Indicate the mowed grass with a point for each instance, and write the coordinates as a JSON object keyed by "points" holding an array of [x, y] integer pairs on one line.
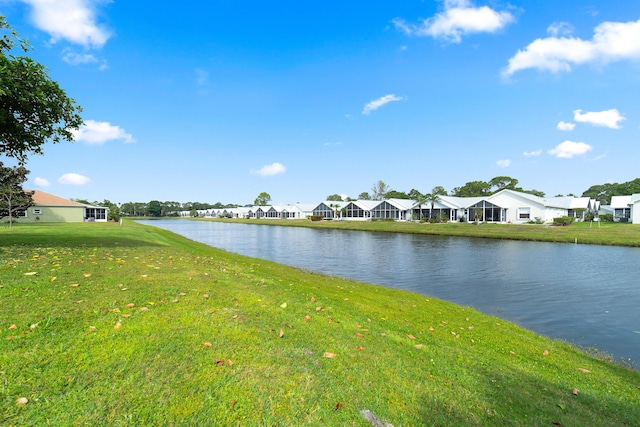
{"points": [[109, 325], [614, 234]]}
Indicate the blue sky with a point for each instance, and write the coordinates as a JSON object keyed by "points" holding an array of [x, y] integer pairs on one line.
{"points": [[220, 100]]}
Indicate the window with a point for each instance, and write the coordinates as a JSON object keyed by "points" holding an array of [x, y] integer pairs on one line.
{"points": [[37, 211], [524, 213]]}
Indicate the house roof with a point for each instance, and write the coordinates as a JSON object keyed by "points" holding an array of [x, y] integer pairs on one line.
{"points": [[620, 201], [41, 198]]}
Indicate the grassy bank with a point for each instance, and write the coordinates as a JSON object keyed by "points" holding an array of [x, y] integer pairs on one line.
{"points": [[617, 234], [109, 325]]}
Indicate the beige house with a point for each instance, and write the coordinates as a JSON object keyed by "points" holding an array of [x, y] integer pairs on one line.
{"points": [[49, 208]]}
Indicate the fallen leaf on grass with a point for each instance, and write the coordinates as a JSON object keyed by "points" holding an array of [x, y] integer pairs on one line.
{"points": [[130, 305], [359, 335], [411, 337], [13, 327], [182, 294], [383, 334], [74, 285], [338, 406], [86, 274], [31, 273], [118, 325], [53, 279], [230, 362], [144, 275], [318, 308], [281, 333], [283, 305], [233, 403], [431, 328], [545, 353], [584, 371], [307, 318], [313, 299], [92, 328], [35, 325], [207, 344], [576, 391], [419, 346], [144, 308], [360, 348], [220, 362], [21, 401], [206, 296], [328, 355]]}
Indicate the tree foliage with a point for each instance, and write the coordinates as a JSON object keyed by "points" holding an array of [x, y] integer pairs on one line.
{"points": [[393, 194], [154, 208], [499, 183], [263, 199], [379, 190], [13, 198], [604, 192], [364, 196], [33, 107], [334, 198]]}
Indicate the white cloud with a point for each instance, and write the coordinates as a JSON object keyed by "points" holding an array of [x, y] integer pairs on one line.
{"points": [[73, 179], [560, 29], [568, 149], [459, 18], [71, 20], [332, 144], [374, 105], [93, 132], [566, 126], [608, 118], [532, 153], [612, 41], [504, 163], [269, 170], [73, 58], [41, 182]]}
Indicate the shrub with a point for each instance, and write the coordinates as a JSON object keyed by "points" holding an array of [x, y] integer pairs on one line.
{"points": [[316, 217], [606, 217], [383, 219], [563, 220]]}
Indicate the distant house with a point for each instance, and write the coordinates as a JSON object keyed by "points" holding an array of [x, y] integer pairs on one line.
{"points": [[49, 208], [621, 206], [635, 208]]}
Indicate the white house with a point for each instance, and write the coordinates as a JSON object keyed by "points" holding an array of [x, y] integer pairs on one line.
{"points": [[621, 206], [635, 208]]}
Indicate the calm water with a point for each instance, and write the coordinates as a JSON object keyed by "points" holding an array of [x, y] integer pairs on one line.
{"points": [[587, 295]]}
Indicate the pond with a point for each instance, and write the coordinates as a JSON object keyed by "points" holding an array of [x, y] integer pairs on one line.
{"points": [[585, 294]]}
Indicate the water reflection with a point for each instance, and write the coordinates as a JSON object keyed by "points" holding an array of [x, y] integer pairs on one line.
{"points": [[584, 294]]}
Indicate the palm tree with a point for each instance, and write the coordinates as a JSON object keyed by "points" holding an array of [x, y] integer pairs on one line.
{"points": [[434, 196], [421, 199]]}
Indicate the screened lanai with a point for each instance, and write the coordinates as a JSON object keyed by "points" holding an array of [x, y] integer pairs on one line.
{"points": [[352, 210], [324, 211], [486, 211], [387, 210]]}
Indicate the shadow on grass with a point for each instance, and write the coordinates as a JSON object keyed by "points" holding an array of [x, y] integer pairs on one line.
{"points": [[82, 235], [510, 397], [74, 241]]}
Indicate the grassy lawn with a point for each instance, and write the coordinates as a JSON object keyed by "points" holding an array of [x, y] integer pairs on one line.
{"points": [[618, 234], [132, 325]]}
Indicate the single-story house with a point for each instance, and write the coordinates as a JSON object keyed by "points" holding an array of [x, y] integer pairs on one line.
{"points": [[621, 206], [635, 208], [50, 208]]}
